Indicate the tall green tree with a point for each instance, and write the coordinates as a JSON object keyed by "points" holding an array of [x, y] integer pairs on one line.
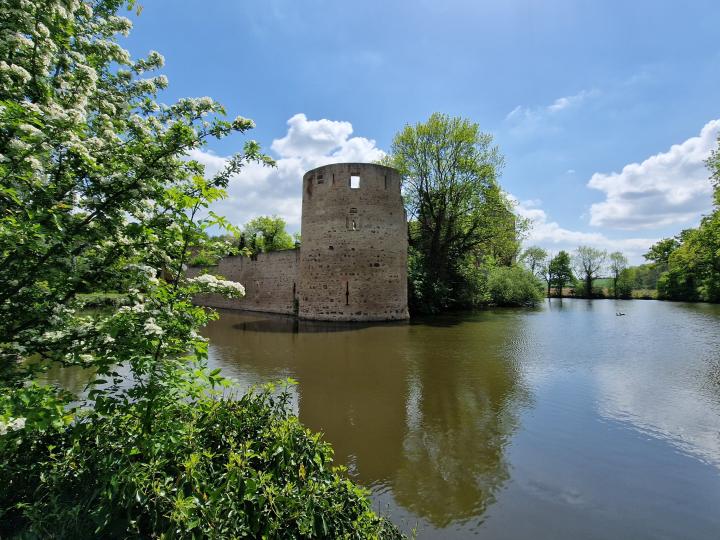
{"points": [[560, 271], [588, 263], [534, 258], [267, 233], [659, 253], [459, 216], [618, 265]]}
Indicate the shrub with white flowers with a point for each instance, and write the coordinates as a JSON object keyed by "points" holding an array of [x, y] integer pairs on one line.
{"points": [[98, 195]]}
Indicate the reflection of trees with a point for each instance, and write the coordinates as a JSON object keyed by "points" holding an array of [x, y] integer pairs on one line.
{"points": [[423, 410], [468, 392], [72, 378]]}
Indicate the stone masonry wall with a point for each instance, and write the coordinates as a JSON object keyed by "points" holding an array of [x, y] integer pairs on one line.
{"points": [[270, 281], [353, 262]]}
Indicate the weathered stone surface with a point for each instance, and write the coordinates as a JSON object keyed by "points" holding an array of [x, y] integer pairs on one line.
{"points": [[270, 281], [353, 261], [352, 265]]}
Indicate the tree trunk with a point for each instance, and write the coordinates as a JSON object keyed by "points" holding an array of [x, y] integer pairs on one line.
{"points": [[615, 294]]}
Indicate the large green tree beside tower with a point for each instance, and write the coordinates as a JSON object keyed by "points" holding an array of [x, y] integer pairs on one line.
{"points": [[461, 222]]}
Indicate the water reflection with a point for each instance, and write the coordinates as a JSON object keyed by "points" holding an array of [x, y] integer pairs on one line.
{"points": [[634, 374], [423, 411], [462, 410], [564, 422]]}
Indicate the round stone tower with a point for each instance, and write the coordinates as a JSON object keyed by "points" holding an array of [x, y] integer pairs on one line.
{"points": [[353, 259]]}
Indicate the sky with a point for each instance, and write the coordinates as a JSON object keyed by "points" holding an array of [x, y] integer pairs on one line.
{"points": [[604, 110]]}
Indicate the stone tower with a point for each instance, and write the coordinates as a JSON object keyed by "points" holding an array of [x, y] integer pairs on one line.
{"points": [[353, 259]]}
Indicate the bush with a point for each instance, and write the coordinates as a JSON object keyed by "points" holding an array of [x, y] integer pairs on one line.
{"points": [[204, 259], [644, 294], [514, 286], [212, 468], [102, 300]]}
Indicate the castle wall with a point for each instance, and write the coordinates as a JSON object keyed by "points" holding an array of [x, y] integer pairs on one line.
{"points": [[270, 281], [353, 262]]}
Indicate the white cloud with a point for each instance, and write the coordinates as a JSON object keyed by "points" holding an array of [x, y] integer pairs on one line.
{"points": [[667, 188], [529, 117], [258, 190], [551, 236], [681, 418]]}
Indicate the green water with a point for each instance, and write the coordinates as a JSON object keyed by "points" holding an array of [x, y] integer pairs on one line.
{"points": [[564, 422]]}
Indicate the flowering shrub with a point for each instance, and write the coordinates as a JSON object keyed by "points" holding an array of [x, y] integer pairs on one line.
{"points": [[98, 193]]}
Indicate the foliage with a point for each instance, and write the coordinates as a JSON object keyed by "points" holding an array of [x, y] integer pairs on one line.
{"points": [[98, 193], [660, 252], [560, 272], [214, 468], [266, 233], [534, 259], [460, 220], [514, 286], [694, 267], [644, 276], [214, 248], [102, 300], [588, 263], [618, 267], [691, 260]]}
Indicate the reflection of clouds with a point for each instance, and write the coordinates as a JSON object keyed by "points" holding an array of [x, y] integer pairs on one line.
{"points": [[683, 417]]}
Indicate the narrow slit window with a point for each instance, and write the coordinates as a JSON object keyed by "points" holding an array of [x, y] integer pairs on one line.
{"points": [[320, 179], [354, 182]]}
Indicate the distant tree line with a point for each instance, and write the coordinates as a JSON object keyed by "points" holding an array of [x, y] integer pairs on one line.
{"points": [[685, 267], [578, 274]]}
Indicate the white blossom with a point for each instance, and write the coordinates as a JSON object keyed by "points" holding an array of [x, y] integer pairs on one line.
{"points": [[152, 328], [13, 424], [210, 283]]}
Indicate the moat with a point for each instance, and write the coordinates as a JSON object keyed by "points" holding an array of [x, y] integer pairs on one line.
{"points": [[563, 422]]}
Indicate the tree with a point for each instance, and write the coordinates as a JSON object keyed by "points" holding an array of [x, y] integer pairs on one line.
{"points": [[618, 265], [588, 263], [98, 192], [534, 258], [659, 253], [560, 271], [691, 260], [546, 273], [459, 217], [267, 233]]}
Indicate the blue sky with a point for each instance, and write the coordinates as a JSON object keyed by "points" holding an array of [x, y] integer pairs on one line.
{"points": [[575, 93]]}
